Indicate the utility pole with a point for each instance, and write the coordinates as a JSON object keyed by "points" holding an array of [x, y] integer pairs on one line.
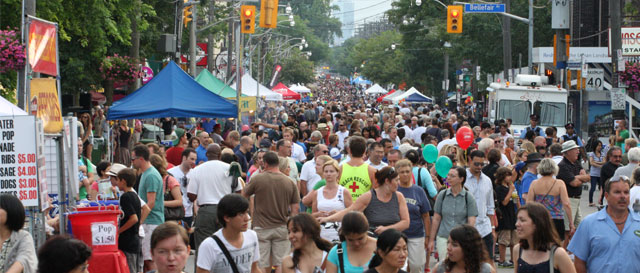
{"points": [[229, 51], [179, 26], [506, 40], [616, 39], [28, 8], [530, 47], [192, 41], [446, 77], [238, 73], [211, 62]]}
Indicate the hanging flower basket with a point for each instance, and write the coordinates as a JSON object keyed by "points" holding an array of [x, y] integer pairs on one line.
{"points": [[631, 76], [12, 54], [122, 69]]}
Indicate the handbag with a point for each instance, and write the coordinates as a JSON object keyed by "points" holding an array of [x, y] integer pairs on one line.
{"points": [[175, 213]]}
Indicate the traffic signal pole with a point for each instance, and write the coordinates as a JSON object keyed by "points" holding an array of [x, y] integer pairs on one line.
{"points": [[192, 41]]}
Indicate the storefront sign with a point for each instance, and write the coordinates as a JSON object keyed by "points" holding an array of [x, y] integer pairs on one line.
{"points": [[18, 159]]}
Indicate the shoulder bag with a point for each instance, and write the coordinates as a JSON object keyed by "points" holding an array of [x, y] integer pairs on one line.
{"points": [[227, 255], [175, 213]]}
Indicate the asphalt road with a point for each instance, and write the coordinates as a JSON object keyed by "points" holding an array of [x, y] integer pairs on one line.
{"points": [[584, 208]]}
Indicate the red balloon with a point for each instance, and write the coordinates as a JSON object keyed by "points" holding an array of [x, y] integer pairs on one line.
{"points": [[464, 136]]}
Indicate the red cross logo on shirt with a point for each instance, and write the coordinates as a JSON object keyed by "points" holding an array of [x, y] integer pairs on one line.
{"points": [[354, 187]]}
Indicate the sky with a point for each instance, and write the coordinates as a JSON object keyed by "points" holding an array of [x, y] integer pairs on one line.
{"points": [[366, 8]]}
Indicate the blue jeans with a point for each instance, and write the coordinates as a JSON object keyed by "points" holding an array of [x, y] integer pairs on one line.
{"points": [[592, 189]]}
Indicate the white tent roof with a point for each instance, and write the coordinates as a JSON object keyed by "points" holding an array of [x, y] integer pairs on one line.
{"points": [[376, 89], [410, 92], [298, 88], [393, 95], [8, 109], [249, 89]]}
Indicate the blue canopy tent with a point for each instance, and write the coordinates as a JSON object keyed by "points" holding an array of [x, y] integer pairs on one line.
{"points": [[172, 93], [418, 98]]}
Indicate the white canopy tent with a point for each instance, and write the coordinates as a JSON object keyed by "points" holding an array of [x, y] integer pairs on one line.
{"points": [[375, 89], [393, 95], [299, 88], [249, 89], [8, 109], [453, 97], [410, 92]]}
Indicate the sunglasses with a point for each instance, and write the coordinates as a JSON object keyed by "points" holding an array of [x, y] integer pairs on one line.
{"points": [[325, 152], [478, 164]]}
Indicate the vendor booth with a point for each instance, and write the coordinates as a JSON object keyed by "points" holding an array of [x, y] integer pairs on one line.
{"points": [[172, 93], [250, 88], [287, 94], [375, 90], [299, 88]]}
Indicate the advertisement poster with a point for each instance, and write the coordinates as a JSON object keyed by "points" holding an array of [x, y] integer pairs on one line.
{"points": [[18, 159], [42, 47], [600, 118], [44, 100]]}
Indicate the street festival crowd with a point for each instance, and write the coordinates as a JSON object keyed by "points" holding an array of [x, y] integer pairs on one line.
{"points": [[345, 184]]}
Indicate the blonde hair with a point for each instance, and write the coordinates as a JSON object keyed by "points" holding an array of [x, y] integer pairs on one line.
{"points": [[403, 163], [324, 158], [331, 163], [283, 164], [446, 150], [528, 146]]}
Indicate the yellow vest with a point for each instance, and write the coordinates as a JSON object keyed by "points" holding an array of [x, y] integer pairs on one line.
{"points": [[356, 179]]}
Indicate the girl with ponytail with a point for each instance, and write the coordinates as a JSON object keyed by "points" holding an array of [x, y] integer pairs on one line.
{"points": [[309, 249], [391, 253]]}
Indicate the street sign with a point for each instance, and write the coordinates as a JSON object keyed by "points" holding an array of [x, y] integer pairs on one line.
{"points": [[484, 8], [617, 99], [477, 73], [560, 14], [574, 65], [595, 79]]}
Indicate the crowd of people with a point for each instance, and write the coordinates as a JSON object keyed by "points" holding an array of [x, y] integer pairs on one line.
{"points": [[341, 185]]}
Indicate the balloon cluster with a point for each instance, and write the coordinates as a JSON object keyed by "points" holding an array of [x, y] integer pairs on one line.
{"points": [[469, 98]]}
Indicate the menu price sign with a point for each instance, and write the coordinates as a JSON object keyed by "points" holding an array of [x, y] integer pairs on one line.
{"points": [[103, 234], [18, 160]]}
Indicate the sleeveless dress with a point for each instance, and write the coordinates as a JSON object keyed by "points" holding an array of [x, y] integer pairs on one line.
{"points": [[379, 213], [329, 231], [317, 268]]}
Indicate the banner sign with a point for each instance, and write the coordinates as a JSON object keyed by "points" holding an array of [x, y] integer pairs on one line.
{"points": [[42, 47], [276, 73], [247, 104], [18, 159], [44, 100], [630, 41]]}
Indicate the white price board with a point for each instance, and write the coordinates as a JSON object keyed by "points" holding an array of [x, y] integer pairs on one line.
{"points": [[103, 234], [595, 79], [617, 99], [18, 158]]}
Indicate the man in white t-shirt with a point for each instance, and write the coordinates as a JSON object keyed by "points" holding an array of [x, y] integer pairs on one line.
{"points": [[235, 236], [342, 133], [308, 175], [208, 183], [189, 157], [297, 152], [375, 153]]}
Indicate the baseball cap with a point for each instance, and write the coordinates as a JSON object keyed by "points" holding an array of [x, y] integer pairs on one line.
{"points": [[335, 153], [520, 165], [534, 117], [265, 143], [115, 169], [179, 132]]}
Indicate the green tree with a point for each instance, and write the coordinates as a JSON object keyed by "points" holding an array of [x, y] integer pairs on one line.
{"points": [[376, 61], [297, 69]]}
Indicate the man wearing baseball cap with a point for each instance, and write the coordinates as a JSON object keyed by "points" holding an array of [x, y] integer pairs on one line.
{"points": [[533, 120], [571, 134], [174, 154]]}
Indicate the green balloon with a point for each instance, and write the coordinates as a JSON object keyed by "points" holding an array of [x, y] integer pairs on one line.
{"points": [[430, 153], [443, 165]]}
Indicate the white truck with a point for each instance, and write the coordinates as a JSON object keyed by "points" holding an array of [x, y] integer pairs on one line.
{"points": [[529, 94]]}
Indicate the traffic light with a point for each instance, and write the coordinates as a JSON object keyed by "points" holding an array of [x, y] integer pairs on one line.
{"points": [[248, 19], [550, 76], [454, 19], [187, 15], [269, 13]]}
